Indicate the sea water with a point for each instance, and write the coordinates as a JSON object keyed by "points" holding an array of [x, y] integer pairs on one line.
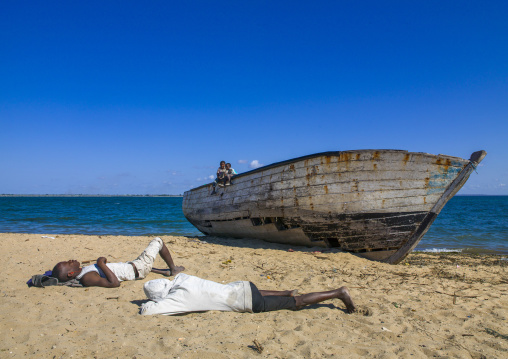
{"points": [[129, 216], [477, 224], [467, 223]]}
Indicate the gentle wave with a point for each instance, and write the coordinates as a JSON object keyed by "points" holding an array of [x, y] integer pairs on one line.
{"points": [[462, 250], [439, 250]]}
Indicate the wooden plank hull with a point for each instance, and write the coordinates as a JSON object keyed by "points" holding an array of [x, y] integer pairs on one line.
{"points": [[376, 203]]}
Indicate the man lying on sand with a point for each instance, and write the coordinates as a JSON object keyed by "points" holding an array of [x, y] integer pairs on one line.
{"points": [[109, 275], [187, 293]]}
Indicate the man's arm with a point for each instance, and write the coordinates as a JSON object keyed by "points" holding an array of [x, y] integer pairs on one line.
{"points": [[93, 279]]}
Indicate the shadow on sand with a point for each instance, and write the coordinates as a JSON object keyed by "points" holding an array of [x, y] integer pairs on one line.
{"points": [[259, 244]]}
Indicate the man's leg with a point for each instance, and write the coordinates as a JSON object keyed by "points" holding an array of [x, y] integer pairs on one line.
{"points": [[144, 263], [166, 256], [276, 300], [280, 293], [312, 298]]}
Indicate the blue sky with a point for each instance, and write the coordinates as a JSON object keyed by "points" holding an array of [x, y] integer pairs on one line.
{"points": [[130, 97]]}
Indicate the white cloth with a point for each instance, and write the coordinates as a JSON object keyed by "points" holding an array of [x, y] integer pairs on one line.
{"points": [[187, 293], [123, 271], [144, 262]]}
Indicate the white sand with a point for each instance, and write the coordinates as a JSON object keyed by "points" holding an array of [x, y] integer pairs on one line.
{"points": [[412, 312]]}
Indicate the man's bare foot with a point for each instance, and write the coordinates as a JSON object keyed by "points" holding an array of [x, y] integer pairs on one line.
{"points": [[164, 272], [168, 272], [177, 270], [346, 299]]}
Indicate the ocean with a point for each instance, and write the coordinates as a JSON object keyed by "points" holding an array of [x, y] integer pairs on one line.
{"points": [[477, 224]]}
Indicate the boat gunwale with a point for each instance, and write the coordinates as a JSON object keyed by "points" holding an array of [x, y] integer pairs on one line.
{"points": [[319, 154]]}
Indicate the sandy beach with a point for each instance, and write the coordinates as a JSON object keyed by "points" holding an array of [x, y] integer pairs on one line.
{"points": [[430, 305]]}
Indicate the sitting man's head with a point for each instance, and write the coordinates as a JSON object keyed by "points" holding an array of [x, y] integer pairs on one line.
{"points": [[65, 271]]}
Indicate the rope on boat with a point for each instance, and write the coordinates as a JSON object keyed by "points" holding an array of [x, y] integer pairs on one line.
{"points": [[474, 166]]}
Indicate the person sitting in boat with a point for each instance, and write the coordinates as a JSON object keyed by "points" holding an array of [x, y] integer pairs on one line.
{"points": [[187, 293], [221, 176], [109, 275], [230, 172]]}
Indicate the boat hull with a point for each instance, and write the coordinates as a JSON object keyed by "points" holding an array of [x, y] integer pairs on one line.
{"points": [[374, 203]]}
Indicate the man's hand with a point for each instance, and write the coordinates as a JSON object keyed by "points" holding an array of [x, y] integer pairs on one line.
{"points": [[93, 279]]}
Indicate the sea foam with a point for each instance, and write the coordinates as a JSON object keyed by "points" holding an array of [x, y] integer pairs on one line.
{"points": [[439, 250]]}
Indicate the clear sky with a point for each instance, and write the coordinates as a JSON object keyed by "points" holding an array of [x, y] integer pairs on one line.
{"points": [[146, 97]]}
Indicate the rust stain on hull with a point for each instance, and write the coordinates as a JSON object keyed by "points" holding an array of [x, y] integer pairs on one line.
{"points": [[406, 159], [444, 164]]}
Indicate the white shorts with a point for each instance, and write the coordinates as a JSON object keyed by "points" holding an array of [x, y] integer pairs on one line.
{"points": [[144, 262]]}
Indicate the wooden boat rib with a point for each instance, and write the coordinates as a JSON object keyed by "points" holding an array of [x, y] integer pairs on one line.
{"points": [[375, 203]]}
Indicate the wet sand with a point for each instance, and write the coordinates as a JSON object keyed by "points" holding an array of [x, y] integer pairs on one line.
{"points": [[430, 305]]}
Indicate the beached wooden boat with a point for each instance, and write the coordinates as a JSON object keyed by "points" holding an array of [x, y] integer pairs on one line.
{"points": [[374, 203]]}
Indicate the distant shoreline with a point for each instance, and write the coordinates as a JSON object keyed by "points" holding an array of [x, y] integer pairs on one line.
{"points": [[91, 195]]}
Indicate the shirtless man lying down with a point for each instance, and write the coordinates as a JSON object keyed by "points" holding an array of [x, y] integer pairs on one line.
{"points": [[109, 275]]}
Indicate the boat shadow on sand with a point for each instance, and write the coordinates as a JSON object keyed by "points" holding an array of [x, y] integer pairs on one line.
{"points": [[260, 244]]}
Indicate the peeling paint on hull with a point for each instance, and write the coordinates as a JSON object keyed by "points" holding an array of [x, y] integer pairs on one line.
{"points": [[375, 203]]}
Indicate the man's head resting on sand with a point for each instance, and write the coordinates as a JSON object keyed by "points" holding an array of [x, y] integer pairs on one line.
{"points": [[65, 271]]}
